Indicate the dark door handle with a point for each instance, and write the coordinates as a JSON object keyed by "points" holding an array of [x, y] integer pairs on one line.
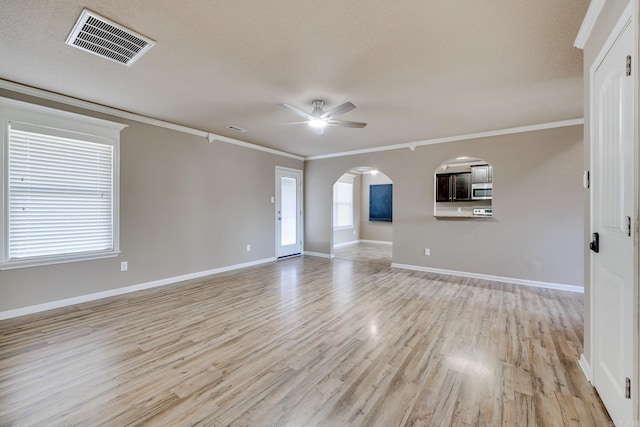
{"points": [[595, 243]]}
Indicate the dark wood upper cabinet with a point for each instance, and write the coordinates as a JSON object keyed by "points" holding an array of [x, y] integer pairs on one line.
{"points": [[453, 187], [461, 183], [443, 188]]}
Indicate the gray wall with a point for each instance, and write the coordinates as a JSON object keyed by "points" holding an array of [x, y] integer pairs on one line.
{"points": [[537, 229], [186, 206], [608, 18], [374, 230]]}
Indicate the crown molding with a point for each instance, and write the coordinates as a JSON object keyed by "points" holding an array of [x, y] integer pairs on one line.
{"points": [[589, 22], [68, 100], [213, 137], [412, 145], [75, 102]]}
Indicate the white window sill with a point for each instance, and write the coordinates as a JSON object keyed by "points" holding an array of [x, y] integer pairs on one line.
{"points": [[37, 262], [348, 227]]}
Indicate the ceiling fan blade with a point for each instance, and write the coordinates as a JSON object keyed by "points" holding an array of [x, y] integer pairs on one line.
{"points": [[295, 123], [346, 123], [296, 111], [339, 110]]}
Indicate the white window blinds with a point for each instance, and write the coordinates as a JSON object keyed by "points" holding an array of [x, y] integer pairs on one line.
{"points": [[60, 193], [343, 204]]}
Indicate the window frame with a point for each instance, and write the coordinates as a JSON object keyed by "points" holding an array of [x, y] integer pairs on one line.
{"points": [[345, 179], [56, 121]]}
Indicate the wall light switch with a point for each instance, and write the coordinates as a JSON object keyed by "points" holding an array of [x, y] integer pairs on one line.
{"points": [[273, 199], [248, 248], [427, 251], [124, 266]]}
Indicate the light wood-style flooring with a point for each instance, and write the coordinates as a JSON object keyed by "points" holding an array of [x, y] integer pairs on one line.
{"points": [[303, 342], [365, 252]]}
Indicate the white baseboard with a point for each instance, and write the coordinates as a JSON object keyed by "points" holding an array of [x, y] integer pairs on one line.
{"points": [[125, 290], [379, 242], [584, 365], [349, 243], [353, 242], [319, 254], [547, 285]]}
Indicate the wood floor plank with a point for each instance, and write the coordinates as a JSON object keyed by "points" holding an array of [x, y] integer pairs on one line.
{"points": [[305, 341]]}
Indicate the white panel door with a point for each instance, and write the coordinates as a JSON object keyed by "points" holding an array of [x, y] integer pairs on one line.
{"points": [[613, 216], [288, 212]]}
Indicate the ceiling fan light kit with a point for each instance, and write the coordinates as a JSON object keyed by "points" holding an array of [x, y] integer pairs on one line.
{"points": [[318, 123], [320, 119]]}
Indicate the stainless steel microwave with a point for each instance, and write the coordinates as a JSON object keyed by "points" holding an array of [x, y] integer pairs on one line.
{"points": [[483, 191]]}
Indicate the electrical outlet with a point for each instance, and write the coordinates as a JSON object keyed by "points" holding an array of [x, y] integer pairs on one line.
{"points": [[124, 266], [427, 251], [248, 248]]}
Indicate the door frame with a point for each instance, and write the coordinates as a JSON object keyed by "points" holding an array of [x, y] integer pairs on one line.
{"points": [[628, 17], [276, 204]]}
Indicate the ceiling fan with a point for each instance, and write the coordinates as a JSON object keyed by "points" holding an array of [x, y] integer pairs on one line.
{"points": [[320, 119]]}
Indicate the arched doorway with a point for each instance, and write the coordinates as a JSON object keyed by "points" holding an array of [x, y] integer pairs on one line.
{"points": [[362, 216]]}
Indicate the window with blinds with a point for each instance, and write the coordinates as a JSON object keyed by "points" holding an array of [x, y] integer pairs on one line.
{"points": [[343, 204], [60, 195], [60, 200]]}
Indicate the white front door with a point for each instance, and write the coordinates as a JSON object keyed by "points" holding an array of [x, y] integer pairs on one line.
{"points": [[288, 212], [613, 218]]}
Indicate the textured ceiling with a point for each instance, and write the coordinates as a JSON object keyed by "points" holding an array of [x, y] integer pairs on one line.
{"points": [[416, 69]]}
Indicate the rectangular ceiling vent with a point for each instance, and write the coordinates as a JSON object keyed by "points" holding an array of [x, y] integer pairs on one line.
{"points": [[103, 37]]}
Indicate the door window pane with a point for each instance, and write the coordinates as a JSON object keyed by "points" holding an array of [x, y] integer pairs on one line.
{"points": [[288, 215]]}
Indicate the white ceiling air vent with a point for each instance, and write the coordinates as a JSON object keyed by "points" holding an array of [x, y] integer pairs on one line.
{"points": [[100, 36]]}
